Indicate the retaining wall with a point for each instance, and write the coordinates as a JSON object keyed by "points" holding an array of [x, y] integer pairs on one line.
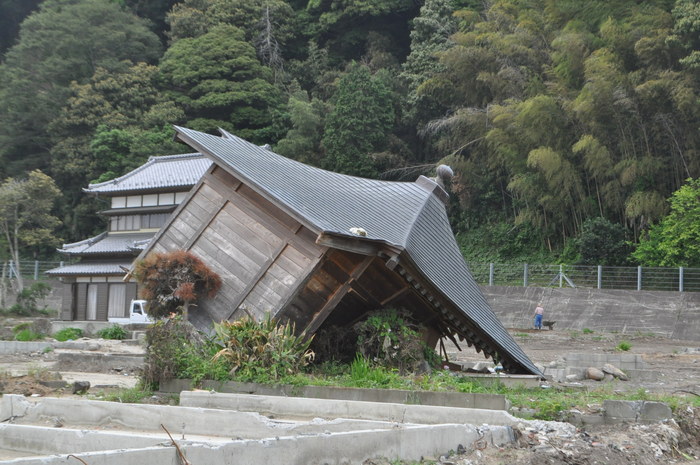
{"points": [[396, 396], [671, 314]]}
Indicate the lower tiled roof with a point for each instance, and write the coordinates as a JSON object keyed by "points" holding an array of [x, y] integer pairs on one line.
{"points": [[105, 243], [91, 269]]}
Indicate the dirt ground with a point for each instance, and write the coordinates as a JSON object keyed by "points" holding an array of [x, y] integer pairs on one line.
{"points": [[676, 362], [540, 443], [677, 365]]}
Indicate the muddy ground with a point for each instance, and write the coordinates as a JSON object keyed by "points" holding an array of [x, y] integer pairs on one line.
{"points": [[546, 443]]}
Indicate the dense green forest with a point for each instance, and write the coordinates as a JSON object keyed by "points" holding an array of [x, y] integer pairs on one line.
{"points": [[573, 127]]}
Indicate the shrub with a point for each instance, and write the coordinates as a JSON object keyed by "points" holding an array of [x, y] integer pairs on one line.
{"points": [[113, 332], [175, 349], [28, 335], [261, 351], [27, 299], [392, 339], [68, 333], [623, 346]]}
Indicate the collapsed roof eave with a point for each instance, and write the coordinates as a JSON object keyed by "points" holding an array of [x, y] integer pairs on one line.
{"points": [[398, 259]]}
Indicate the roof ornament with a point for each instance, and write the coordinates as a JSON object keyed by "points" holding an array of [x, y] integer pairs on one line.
{"points": [[358, 232], [443, 174]]}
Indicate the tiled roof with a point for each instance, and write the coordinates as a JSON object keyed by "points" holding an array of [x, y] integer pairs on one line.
{"points": [[91, 269], [170, 171], [105, 243], [404, 215]]}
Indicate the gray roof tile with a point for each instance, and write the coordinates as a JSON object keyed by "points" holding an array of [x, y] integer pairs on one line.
{"points": [[105, 243], [402, 214], [170, 171], [91, 269]]}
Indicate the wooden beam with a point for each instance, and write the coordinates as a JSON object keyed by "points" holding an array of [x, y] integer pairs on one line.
{"points": [[364, 294], [337, 296], [394, 296], [349, 244]]}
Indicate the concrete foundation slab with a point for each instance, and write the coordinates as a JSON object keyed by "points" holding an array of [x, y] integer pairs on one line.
{"points": [[323, 408], [128, 434]]}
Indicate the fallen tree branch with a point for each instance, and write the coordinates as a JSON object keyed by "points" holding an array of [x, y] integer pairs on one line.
{"points": [[179, 451], [78, 458], [687, 392]]}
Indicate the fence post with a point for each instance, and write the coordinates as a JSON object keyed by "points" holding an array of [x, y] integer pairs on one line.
{"points": [[680, 279], [490, 274], [561, 275], [600, 276], [36, 270], [525, 275], [639, 278]]}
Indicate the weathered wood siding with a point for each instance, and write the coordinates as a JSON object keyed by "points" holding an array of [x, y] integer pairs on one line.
{"points": [[260, 252], [68, 301]]}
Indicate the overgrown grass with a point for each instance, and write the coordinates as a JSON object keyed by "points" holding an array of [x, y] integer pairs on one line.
{"points": [[133, 395], [28, 335], [113, 332], [66, 334], [550, 403]]}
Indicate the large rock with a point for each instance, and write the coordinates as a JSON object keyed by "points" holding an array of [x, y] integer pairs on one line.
{"points": [[595, 373], [616, 372]]}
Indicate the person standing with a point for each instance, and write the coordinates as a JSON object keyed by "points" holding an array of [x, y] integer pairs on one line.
{"points": [[539, 313]]}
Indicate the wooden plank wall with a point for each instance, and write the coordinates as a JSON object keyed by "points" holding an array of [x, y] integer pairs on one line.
{"points": [[260, 252], [68, 301]]}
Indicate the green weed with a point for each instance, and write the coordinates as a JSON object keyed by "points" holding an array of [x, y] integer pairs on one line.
{"points": [[128, 396], [66, 334], [113, 332], [28, 335], [623, 346], [587, 331]]}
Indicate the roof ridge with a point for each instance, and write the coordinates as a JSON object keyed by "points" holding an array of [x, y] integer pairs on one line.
{"points": [[158, 158], [89, 241], [151, 161]]}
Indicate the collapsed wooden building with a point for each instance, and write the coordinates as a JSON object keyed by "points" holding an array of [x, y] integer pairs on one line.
{"points": [[321, 248]]}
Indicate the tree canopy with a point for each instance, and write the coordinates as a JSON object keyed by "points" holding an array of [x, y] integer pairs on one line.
{"points": [[675, 241], [553, 114], [26, 222]]}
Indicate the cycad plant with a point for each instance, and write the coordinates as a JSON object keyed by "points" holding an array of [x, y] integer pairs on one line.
{"points": [[262, 351]]}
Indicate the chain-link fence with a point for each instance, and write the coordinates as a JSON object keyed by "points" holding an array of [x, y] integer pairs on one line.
{"points": [[598, 277], [29, 269], [498, 274]]}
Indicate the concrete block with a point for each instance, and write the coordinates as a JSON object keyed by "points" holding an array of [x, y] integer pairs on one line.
{"points": [[20, 347], [500, 436], [616, 411], [655, 411]]}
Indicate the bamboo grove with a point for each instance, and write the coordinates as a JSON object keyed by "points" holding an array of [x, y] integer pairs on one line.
{"points": [[552, 113]]}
